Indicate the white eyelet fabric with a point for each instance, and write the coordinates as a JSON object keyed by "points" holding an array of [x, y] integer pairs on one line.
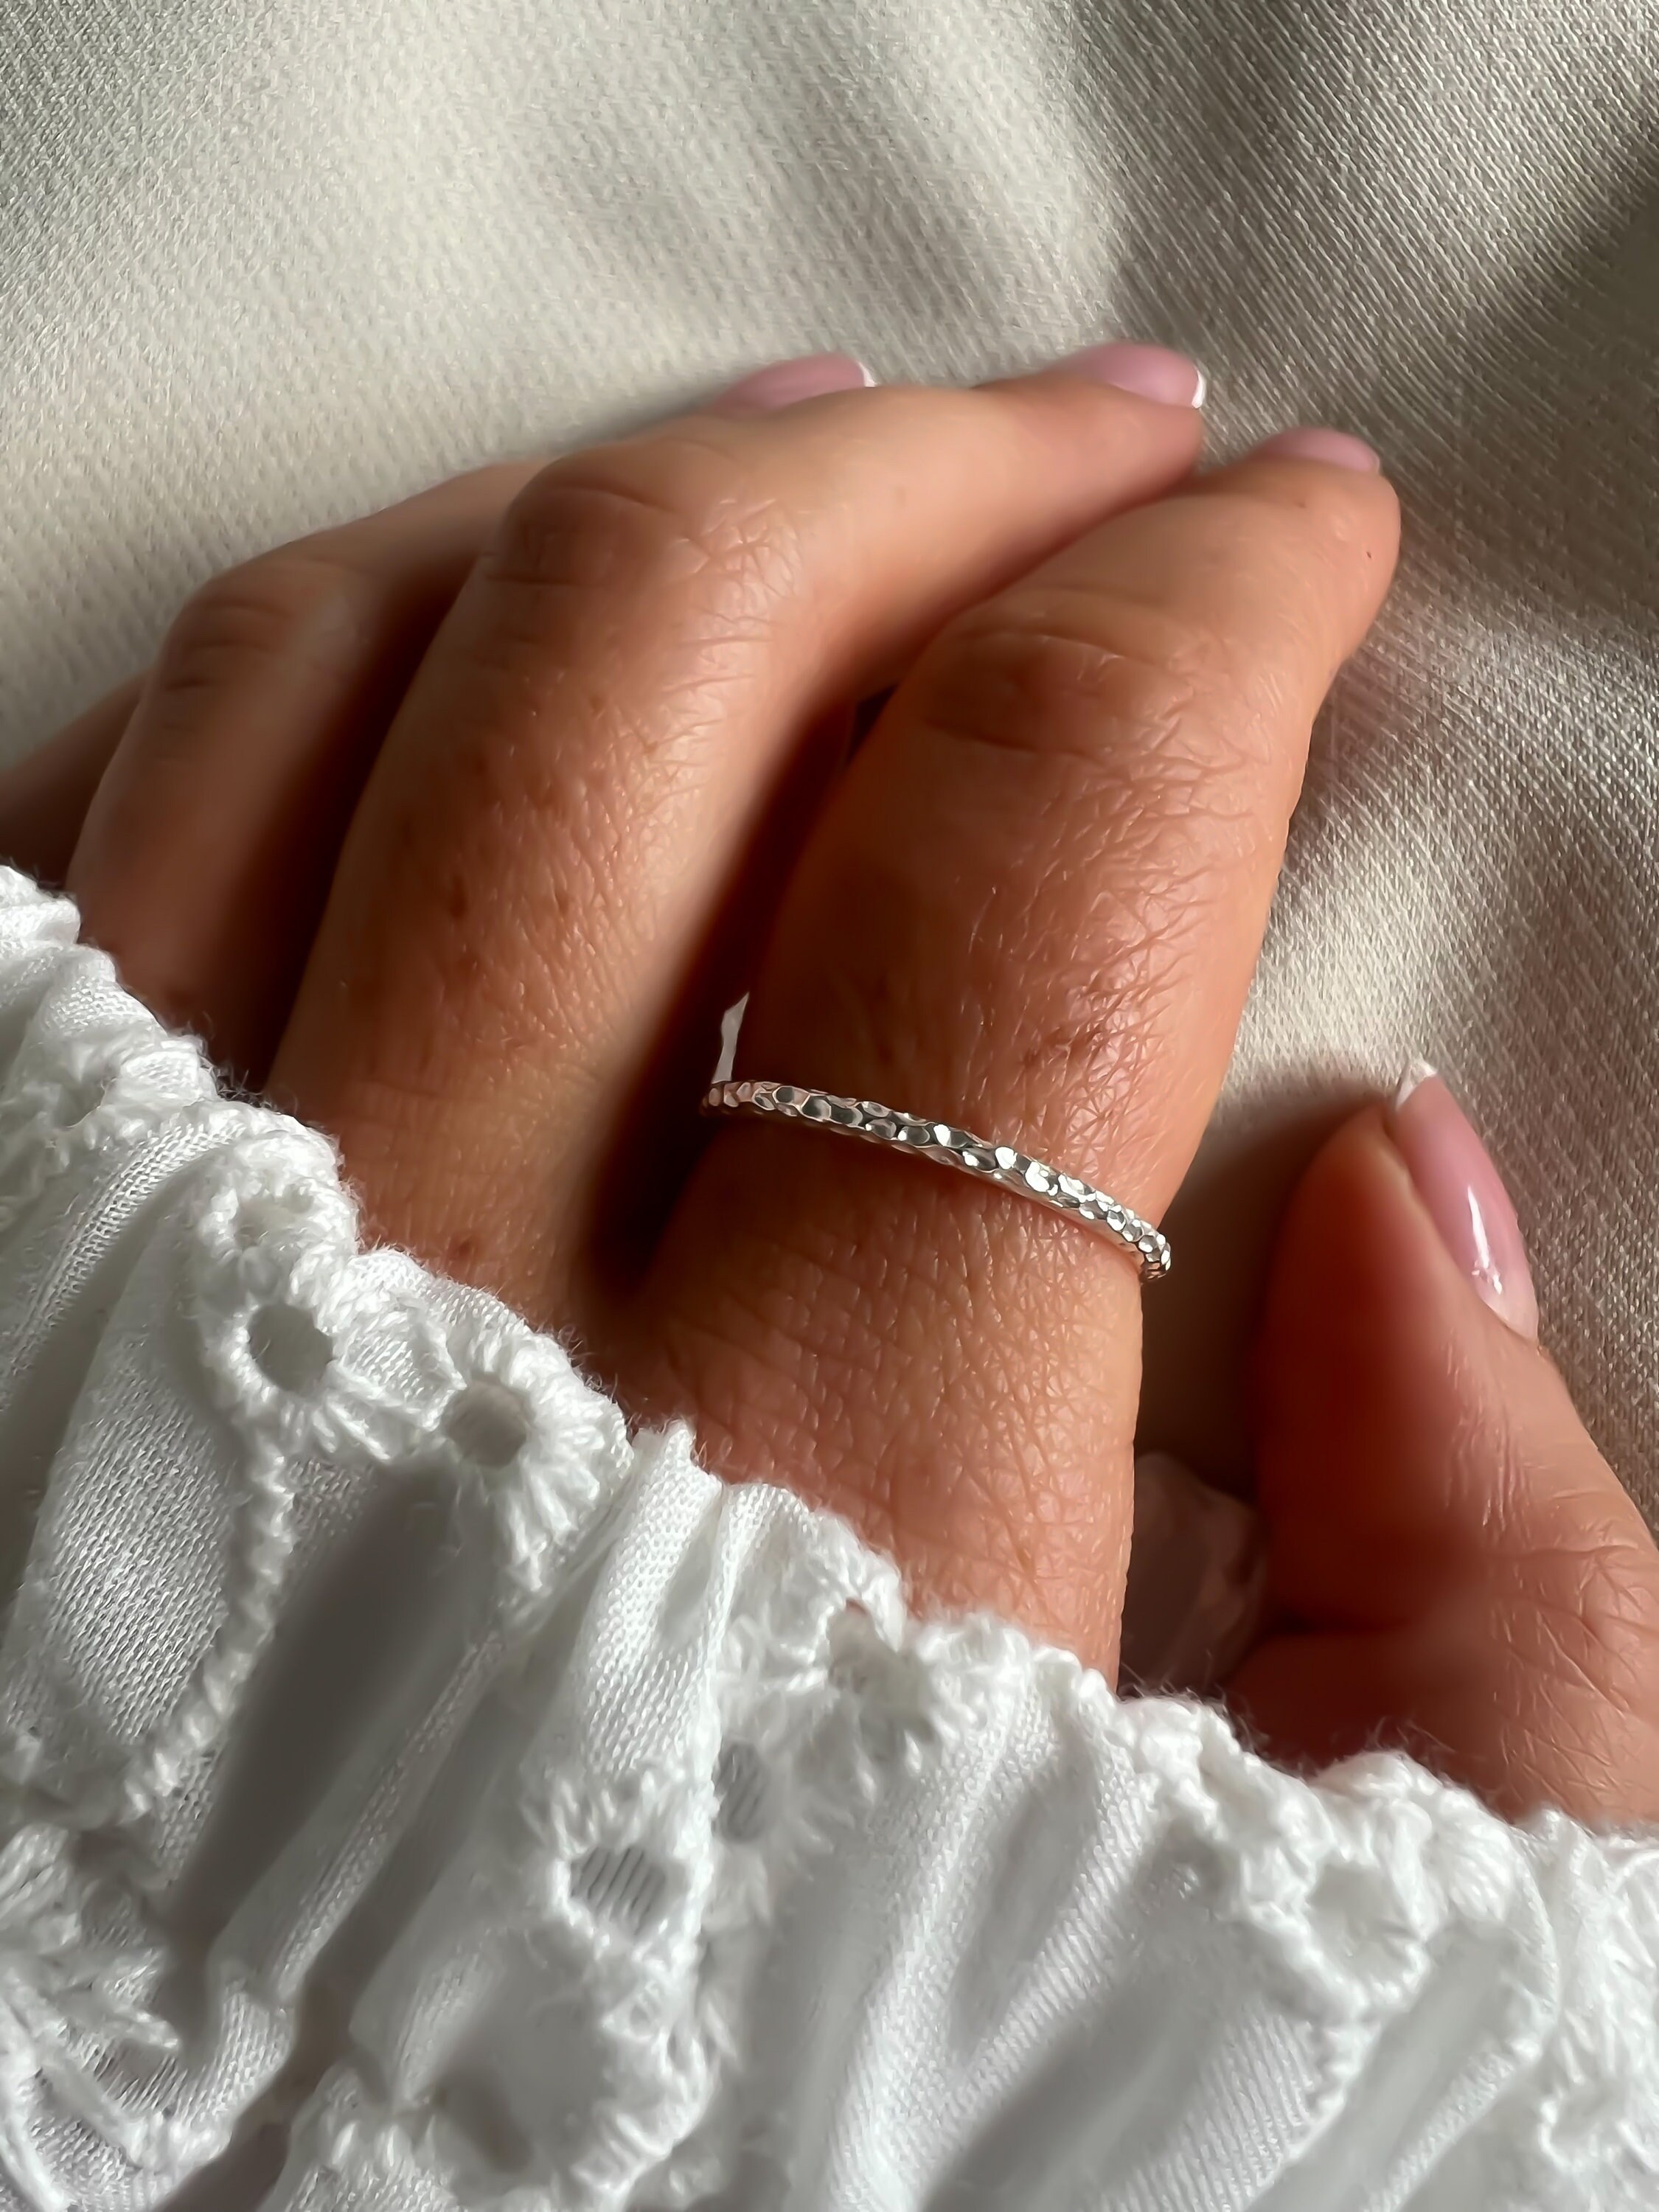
{"points": [[421, 1793]]}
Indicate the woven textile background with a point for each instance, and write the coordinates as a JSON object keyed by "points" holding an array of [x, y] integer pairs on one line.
{"points": [[265, 264]]}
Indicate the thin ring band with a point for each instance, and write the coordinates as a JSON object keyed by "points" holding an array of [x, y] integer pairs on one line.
{"points": [[953, 1148]]}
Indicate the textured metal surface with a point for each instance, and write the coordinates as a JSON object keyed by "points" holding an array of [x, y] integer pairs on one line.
{"points": [[980, 1156]]}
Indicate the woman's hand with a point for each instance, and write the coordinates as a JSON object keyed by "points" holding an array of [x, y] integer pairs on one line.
{"points": [[1457, 1566], [557, 754]]}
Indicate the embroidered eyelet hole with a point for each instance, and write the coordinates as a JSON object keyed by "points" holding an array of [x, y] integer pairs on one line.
{"points": [[740, 1780], [487, 1422], [81, 1104], [627, 1885], [287, 1347]]}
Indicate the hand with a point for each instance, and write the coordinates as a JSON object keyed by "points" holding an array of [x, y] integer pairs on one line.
{"points": [[556, 754], [1457, 1565]]}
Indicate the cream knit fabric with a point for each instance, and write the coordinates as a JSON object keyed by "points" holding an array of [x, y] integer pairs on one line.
{"points": [[418, 1795], [270, 263]]}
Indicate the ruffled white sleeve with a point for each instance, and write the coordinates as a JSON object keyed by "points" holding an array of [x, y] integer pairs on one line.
{"points": [[421, 1793]]}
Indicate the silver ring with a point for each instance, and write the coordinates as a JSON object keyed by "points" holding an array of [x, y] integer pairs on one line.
{"points": [[953, 1148]]}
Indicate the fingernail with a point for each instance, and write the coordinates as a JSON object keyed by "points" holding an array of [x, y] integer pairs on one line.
{"points": [[1310, 444], [1153, 372], [1464, 1194], [784, 382], [1197, 1580]]}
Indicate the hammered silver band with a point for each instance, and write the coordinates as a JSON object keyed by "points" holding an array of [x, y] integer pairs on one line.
{"points": [[953, 1148]]}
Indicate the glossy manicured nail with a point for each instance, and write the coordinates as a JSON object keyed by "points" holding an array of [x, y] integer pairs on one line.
{"points": [[1334, 446], [1197, 1580], [784, 382], [1151, 372], [1464, 1194]]}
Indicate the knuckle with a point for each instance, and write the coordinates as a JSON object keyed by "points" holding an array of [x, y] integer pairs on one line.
{"points": [[676, 516], [288, 604], [1031, 673], [1574, 1572], [1124, 715], [1597, 1610]]}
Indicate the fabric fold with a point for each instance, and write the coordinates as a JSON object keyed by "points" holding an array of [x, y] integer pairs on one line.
{"points": [[391, 1739]]}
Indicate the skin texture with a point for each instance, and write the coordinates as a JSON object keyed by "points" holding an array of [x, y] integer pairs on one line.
{"points": [[457, 828], [1463, 1568]]}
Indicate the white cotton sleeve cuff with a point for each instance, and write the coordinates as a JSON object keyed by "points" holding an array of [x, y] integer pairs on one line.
{"points": [[422, 1793]]}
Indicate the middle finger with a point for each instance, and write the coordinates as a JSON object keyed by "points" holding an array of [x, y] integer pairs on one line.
{"points": [[1032, 911]]}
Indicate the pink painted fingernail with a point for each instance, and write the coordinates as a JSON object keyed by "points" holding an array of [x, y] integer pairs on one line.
{"points": [[786, 381], [1464, 1194], [1311, 444], [1151, 372]]}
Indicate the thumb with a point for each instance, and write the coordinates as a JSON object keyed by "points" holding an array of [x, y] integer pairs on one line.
{"points": [[1462, 1572]]}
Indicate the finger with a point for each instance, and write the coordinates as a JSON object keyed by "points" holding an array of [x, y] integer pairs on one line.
{"points": [[208, 841], [1472, 1580], [593, 753], [655, 1134], [45, 796], [1032, 911]]}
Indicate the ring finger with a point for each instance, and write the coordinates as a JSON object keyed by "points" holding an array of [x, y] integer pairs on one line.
{"points": [[1031, 910]]}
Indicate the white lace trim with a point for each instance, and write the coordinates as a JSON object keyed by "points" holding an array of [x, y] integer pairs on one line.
{"points": [[66, 1997], [1348, 1887]]}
